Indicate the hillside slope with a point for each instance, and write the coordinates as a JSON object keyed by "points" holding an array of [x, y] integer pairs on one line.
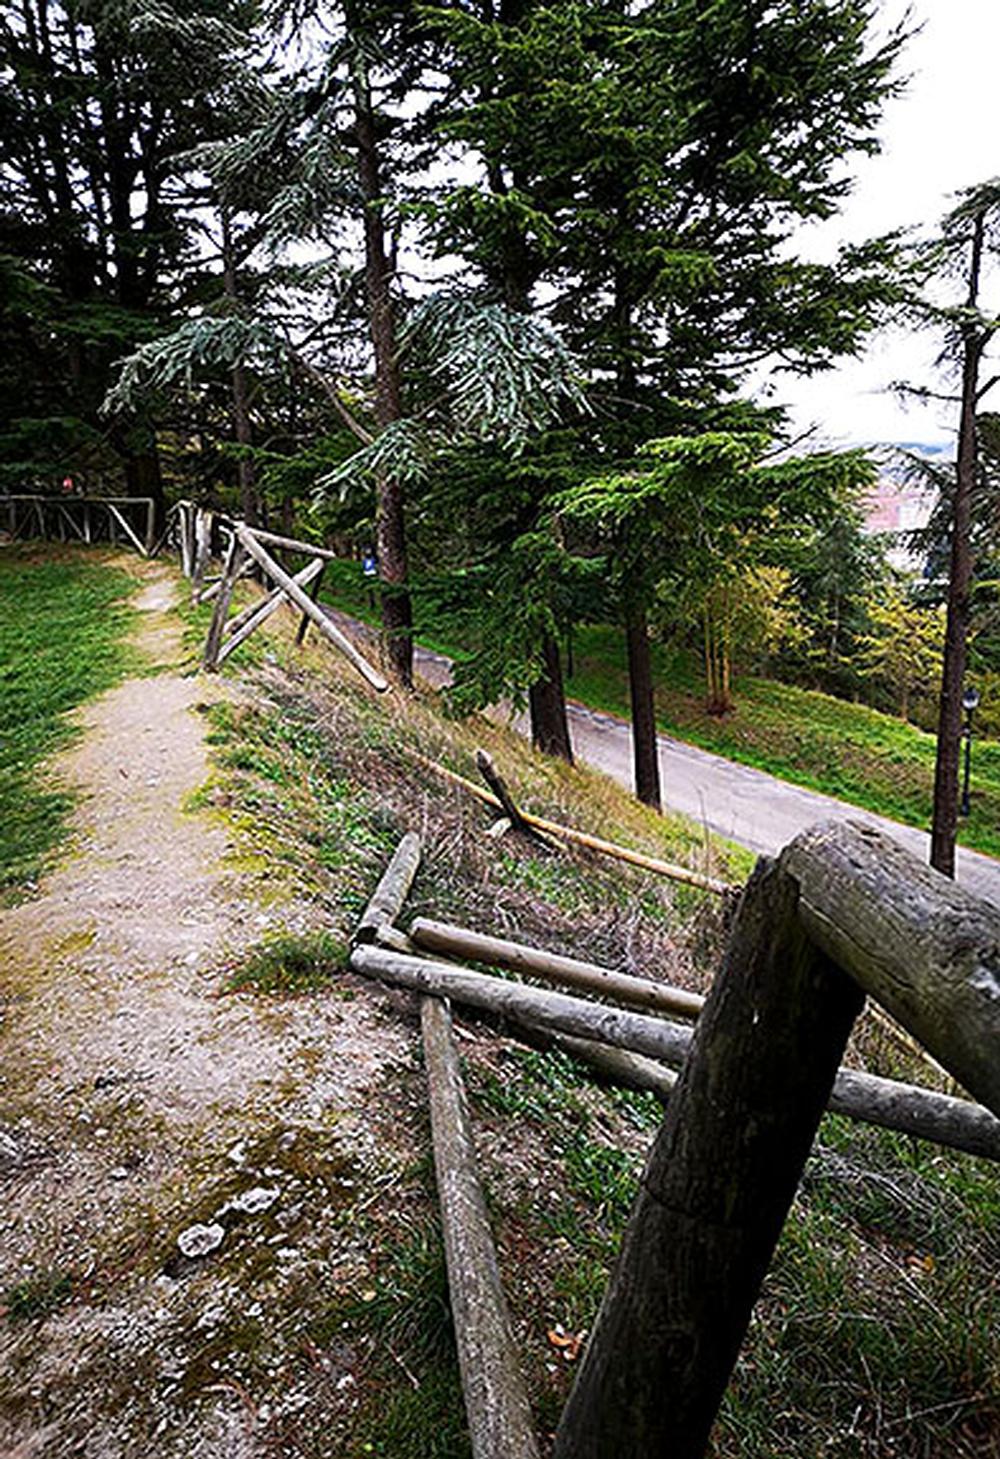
{"points": [[185, 1060]]}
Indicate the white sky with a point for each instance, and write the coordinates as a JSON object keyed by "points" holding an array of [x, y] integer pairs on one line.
{"points": [[942, 134]]}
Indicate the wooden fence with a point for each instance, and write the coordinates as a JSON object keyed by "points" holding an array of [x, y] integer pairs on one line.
{"points": [[843, 913], [120, 520]]}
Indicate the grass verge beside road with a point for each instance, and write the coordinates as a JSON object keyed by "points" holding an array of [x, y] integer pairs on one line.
{"points": [[846, 750], [63, 625], [857, 754]]}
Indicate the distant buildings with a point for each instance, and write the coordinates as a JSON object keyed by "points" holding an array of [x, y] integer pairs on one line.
{"points": [[897, 506]]}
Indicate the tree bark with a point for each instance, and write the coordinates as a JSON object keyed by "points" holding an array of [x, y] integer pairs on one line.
{"points": [[547, 707], [246, 474], [645, 759], [949, 728], [717, 1187], [390, 529]]}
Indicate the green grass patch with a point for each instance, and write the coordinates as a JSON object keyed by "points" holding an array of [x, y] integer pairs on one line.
{"points": [[289, 963], [846, 750], [63, 626], [37, 1296]]}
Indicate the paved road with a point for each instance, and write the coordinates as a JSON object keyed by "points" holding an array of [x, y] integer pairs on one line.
{"points": [[746, 805]]}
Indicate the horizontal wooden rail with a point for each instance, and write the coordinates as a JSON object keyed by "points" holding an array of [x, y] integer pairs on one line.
{"points": [[924, 1113], [641, 993], [927, 950]]}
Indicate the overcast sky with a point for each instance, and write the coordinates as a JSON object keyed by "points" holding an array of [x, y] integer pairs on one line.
{"points": [[942, 134]]}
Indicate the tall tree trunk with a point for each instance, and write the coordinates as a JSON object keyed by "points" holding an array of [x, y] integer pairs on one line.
{"points": [[640, 675], [143, 477], [547, 706], [640, 672], [390, 531], [246, 473], [949, 728]]}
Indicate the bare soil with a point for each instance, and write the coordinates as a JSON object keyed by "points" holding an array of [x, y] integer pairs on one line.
{"points": [[136, 1103]]}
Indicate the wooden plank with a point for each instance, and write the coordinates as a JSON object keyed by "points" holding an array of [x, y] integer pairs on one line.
{"points": [[571, 972], [924, 948], [715, 1191], [300, 597], [392, 890], [496, 1401], [261, 613], [923, 1113]]}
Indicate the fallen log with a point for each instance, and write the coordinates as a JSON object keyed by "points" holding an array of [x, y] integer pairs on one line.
{"points": [[571, 972], [941, 1118], [496, 1402], [617, 1067], [582, 838], [302, 599], [392, 890]]}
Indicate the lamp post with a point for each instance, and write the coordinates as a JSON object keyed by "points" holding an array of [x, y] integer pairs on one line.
{"points": [[970, 699]]}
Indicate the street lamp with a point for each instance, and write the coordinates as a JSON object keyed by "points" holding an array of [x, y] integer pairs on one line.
{"points": [[970, 699]]}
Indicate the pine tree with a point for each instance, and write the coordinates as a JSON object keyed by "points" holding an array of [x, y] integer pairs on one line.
{"points": [[96, 102]]}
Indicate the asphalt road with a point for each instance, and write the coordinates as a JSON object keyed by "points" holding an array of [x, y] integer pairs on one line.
{"points": [[748, 806]]}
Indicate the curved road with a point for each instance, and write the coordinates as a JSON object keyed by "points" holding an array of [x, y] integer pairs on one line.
{"points": [[745, 805]]}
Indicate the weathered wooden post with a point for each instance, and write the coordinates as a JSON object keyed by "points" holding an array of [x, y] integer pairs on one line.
{"points": [[496, 1402], [202, 551], [317, 582], [716, 1188], [230, 572]]}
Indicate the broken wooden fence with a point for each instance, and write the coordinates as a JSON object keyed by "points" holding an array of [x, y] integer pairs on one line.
{"points": [[193, 531], [843, 913], [118, 520]]}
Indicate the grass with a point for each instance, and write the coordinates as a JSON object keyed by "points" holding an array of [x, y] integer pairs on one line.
{"points": [[287, 962], [37, 1297], [846, 750], [64, 620], [875, 1332]]}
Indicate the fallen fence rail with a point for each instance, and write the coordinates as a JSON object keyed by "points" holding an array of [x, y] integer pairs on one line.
{"points": [[582, 838], [842, 913]]}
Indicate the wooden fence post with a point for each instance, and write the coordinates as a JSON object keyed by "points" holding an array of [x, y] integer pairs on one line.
{"points": [[230, 572], [717, 1187], [203, 548]]}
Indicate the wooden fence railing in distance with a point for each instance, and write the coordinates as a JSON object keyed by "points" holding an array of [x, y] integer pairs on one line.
{"points": [[86, 519]]}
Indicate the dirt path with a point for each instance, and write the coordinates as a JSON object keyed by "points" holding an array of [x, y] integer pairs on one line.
{"points": [[136, 1104]]}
